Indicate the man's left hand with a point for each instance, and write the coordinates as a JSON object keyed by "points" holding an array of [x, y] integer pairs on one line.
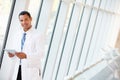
{"points": [[21, 55]]}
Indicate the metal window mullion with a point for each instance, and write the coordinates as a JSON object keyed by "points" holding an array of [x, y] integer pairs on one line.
{"points": [[39, 14]]}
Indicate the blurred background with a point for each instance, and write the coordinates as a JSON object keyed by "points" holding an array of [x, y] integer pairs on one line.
{"points": [[82, 37]]}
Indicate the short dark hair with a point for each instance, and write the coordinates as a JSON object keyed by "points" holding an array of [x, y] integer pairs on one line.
{"points": [[24, 12]]}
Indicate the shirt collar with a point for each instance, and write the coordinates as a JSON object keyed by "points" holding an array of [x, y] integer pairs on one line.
{"points": [[29, 31]]}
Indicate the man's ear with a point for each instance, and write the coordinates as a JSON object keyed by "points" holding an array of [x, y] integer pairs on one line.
{"points": [[31, 18]]}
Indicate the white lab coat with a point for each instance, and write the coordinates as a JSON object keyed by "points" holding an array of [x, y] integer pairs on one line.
{"points": [[34, 49]]}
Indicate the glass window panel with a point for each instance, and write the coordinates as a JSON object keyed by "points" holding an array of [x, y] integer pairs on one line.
{"points": [[113, 6], [82, 1], [96, 4], [34, 10], [47, 16], [109, 5], [90, 2], [101, 38], [118, 6], [103, 4]]}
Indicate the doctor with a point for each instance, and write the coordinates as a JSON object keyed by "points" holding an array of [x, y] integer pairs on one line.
{"points": [[29, 46]]}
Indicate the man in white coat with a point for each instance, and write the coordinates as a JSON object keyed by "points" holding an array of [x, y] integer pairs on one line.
{"points": [[28, 51]]}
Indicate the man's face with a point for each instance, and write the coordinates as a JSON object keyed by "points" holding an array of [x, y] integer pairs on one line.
{"points": [[25, 22]]}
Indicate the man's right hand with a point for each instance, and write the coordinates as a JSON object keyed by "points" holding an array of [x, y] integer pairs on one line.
{"points": [[10, 54]]}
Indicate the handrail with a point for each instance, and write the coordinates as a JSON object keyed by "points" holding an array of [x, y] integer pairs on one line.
{"points": [[80, 72]]}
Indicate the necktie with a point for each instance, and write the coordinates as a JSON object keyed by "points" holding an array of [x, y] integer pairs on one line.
{"points": [[23, 40]]}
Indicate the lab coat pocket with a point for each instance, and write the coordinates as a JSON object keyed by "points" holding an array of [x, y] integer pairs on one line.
{"points": [[34, 62]]}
